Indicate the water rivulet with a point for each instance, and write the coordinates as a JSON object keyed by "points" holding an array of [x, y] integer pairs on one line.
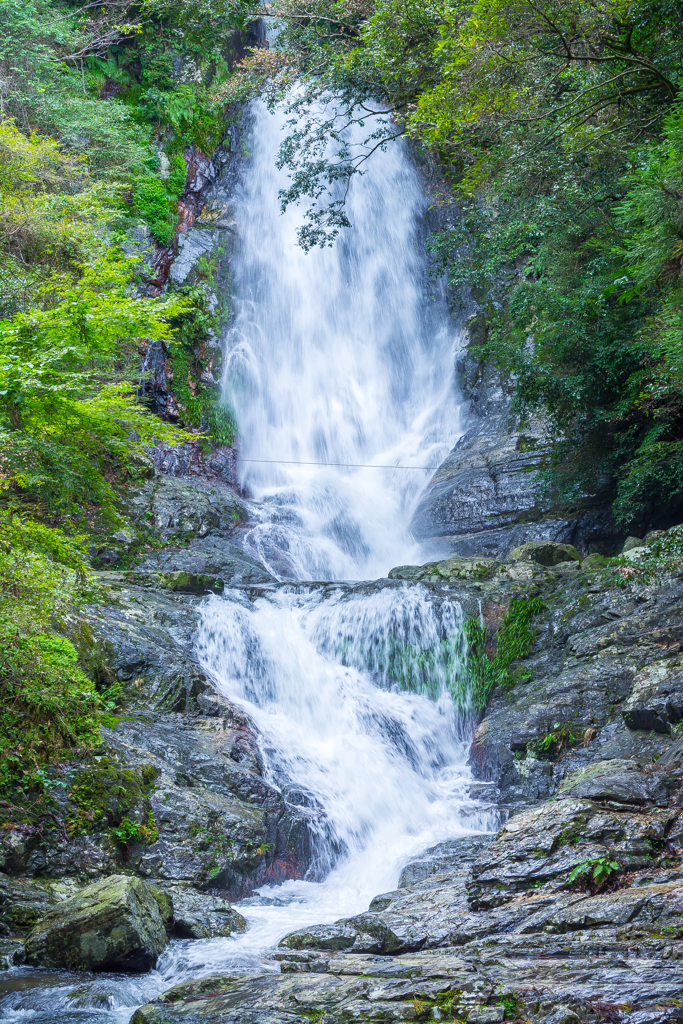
{"points": [[343, 356]]}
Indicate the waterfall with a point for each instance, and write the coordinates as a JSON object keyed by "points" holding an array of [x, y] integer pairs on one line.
{"points": [[342, 355]]}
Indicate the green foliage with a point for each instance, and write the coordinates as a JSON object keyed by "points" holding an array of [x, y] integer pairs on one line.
{"points": [[553, 743], [560, 134], [132, 832], [661, 559], [64, 424], [102, 793], [513, 642], [511, 1003], [156, 200], [596, 871], [200, 403], [48, 705], [481, 670], [97, 106]]}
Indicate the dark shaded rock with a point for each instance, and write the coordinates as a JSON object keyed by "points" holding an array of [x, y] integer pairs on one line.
{"points": [[220, 823], [546, 552], [656, 700], [23, 901], [115, 924], [485, 497]]}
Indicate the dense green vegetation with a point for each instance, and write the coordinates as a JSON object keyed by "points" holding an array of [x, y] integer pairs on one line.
{"points": [[559, 130], [102, 108]]}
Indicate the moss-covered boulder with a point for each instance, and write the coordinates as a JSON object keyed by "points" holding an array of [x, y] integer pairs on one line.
{"points": [[116, 924], [545, 552]]}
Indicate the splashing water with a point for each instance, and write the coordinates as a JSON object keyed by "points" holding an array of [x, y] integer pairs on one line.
{"points": [[340, 356]]}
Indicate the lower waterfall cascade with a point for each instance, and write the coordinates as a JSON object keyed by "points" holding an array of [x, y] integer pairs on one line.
{"points": [[342, 356]]}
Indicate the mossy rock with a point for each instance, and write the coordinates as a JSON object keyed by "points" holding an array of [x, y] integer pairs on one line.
{"points": [[545, 552], [115, 924]]}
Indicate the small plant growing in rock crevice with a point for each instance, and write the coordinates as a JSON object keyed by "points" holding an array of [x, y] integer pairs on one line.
{"points": [[593, 873], [514, 641], [547, 747]]}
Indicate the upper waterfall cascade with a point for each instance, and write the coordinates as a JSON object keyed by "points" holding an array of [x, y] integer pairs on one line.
{"points": [[341, 355]]}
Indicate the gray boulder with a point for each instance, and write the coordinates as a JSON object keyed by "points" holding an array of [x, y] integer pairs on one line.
{"points": [[176, 506], [213, 557], [115, 924], [619, 781], [202, 915]]}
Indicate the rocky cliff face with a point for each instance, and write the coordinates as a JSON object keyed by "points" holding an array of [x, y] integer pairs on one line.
{"points": [[485, 498], [572, 912], [175, 792]]}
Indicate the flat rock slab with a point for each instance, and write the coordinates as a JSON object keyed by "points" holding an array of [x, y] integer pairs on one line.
{"points": [[440, 985], [115, 924]]}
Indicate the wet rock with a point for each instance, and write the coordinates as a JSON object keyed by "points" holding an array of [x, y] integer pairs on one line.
{"points": [[201, 915], [639, 911], [220, 823], [177, 506], [442, 858], [567, 982], [485, 497], [547, 842], [486, 1015], [656, 700], [545, 552], [147, 637], [449, 569], [115, 924], [191, 246], [22, 902], [621, 782], [590, 663], [211, 558]]}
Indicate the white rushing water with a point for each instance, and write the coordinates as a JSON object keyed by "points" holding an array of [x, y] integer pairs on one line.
{"points": [[340, 355], [343, 355]]}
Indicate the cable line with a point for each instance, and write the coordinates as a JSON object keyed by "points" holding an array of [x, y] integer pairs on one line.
{"points": [[337, 465]]}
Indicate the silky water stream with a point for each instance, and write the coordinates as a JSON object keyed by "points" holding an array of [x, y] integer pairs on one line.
{"points": [[341, 356]]}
